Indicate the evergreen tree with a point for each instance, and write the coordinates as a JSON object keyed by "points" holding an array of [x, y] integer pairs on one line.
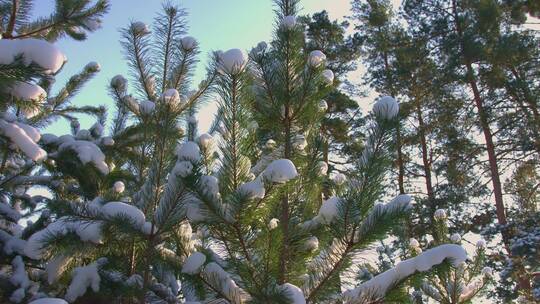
{"points": [[27, 70], [451, 285], [156, 212], [470, 40], [342, 124], [376, 31]]}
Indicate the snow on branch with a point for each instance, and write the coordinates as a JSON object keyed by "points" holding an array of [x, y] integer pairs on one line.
{"points": [[36, 51], [83, 278], [220, 280], [25, 138], [86, 230], [380, 284], [19, 278], [393, 209], [87, 152]]}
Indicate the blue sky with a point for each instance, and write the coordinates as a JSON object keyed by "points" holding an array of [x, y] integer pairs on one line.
{"points": [[216, 24]]}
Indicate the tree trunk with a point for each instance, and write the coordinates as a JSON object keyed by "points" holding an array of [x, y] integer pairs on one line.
{"points": [[426, 164], [399, 161], [284, 256]]}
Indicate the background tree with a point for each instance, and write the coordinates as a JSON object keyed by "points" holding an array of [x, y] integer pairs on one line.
{"points": [[376, 28], [343, 120]]}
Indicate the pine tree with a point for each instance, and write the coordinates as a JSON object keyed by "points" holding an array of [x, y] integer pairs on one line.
{"points": [[473, 58], [376, 29], [120, 224], [451, 285], [342, 124], [27, 70]]}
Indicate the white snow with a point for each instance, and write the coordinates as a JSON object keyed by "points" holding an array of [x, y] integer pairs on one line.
{"points": [[316, 58], [119, 82], [455, 238], [254, 189], [299, 142], [288, 22], [189, 151], [8, 116], [294, 293], [323, 105], [9, 212], [228, 286], [40, 52], [64, 139], [439, 214], [86, 230], [118, 187], [328, 76], [312, 243], [413, 243], [481, 244], [19, 277], [233, 61], [14, 245], [33, 248], [329, 210], [206, 141], [381, 283], [140, 28], [323, 168], [386, 107], [270, 144], [25, 138], [193, 120], [487, 271], [92, 24], [75, 124], [116, 209], [147, 228], [55, 267], [171, 96], [188, 43], [182, 168], [107, 141], [147, 107], [280, 171], [49, 301], [273, 224], [471, 289], [339, 178], [18, 295], [210, 184], [194, 263], [400, 201], [97, 129], [259, 49], [83, 134], [27, 92], [32, 132], [194, 212], [93, 67], [252, 126], [132, 103], [87, 152], [83, 278]]}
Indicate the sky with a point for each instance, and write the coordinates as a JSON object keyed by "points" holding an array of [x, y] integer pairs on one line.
{"points": [[216, 24]]}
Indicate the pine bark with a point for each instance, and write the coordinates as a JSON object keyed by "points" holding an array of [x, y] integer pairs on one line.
{"points": [[426, 163]]}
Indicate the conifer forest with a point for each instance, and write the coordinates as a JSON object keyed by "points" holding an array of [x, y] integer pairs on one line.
{"points": [[391, 155]]}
